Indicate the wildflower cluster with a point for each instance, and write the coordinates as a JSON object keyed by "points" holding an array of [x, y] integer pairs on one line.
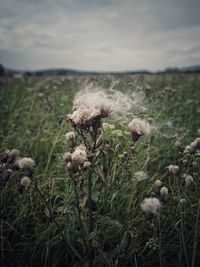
{"points": [[186, 171], [151, 206], [11, 163], [89, 154]]}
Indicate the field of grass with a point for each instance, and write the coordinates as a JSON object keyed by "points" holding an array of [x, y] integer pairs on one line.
{"points": [[48, 223]]}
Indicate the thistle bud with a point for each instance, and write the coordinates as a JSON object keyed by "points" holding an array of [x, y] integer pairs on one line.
{"points": [[177, 144], [163, 193], [173, 169], [86, 165], [185, 163], [67, 157], [189, 181], [158, 185], [71, 138]]}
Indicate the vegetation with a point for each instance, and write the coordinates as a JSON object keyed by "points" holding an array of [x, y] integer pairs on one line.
{"points": [[91, 215]]}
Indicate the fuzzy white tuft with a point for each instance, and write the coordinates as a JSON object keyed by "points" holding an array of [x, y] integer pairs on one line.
{"points": [[189, 180], [93, 101], [158, 183], [25, 181], [26, 163], [164, 191], [140, 127], [79, 155], [70, 136], [173, 169], [150, 205]]}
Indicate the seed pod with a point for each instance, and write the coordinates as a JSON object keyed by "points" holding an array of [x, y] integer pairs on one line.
{"points": [[67, 157], [185, 162], [173, 169], [86, 165]]}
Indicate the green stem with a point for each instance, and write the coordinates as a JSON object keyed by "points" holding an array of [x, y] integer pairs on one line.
{"points": [[182, 236], [79, 213], [160, 257], [90, 223], [195, 236], [90, 214]]}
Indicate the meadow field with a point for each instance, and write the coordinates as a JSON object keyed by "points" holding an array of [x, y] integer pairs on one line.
{"points": [[133, 198]]}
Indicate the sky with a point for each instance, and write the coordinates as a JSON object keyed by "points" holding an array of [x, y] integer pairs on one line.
{"points": [[99, 35]]}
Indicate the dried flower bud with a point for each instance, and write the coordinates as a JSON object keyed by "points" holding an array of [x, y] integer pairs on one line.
{"points": [[69, 166], [86, 165], [5, 156], [12, 155], [198, 141], [158, 183], [26, 163], [173, 169], [71, 138], [67, 157], [14, 152], [190, 149], [25, 181], [138, 128], [188, 180], [185, 163], [178, 144]]}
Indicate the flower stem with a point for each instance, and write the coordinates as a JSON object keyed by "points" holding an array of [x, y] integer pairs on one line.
{"points": [[195, 236]]}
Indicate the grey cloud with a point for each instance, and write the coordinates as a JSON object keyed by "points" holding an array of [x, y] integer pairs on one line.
{"points": [[99, 34]]}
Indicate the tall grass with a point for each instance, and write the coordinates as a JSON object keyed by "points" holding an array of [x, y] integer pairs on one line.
{"points": [[42, 225]]}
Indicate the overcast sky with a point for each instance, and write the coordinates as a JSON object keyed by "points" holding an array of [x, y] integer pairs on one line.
{"points": [[99, 34]]}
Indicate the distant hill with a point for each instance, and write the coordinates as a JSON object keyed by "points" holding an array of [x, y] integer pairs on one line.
{"points": [[183, 69], [64, 71], [192, 68]]}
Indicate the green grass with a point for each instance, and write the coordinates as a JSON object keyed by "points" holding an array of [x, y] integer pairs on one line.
{"points": [[40, 227]]}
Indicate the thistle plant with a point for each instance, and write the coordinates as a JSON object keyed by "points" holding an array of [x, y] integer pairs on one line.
{"points": [[89, 151], [10, 163]]}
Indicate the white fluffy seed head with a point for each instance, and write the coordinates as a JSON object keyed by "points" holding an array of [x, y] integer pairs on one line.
{"points": [[158, 183], [140, 127], [189, 180], [84, 115], [79, 156], [173, 169], [92, 102], [150, 205], [194, 144], [164, 191], [190, 149], [26, 163], [70, 136], [25, 181]]}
